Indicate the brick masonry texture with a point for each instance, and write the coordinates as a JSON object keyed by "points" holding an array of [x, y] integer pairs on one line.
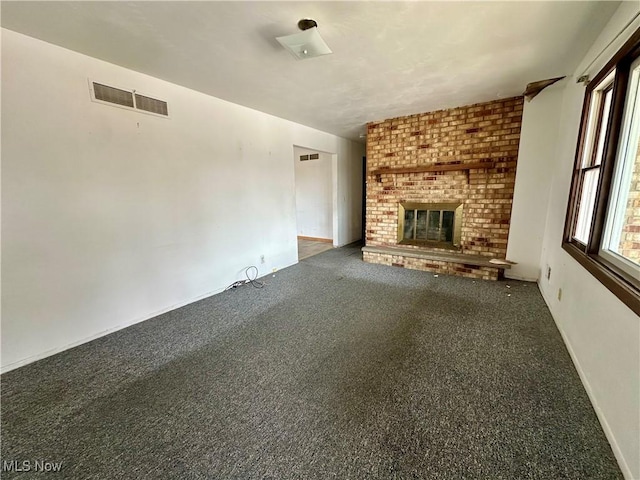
{"points": [[470, 134], [435, 266], [630, 239]]}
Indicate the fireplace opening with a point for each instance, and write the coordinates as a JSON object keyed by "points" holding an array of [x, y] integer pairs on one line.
{"points": [[430, 224]]}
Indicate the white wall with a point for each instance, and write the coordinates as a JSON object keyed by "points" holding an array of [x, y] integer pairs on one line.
{"points": [[347, 180], [536, 156], [314, 194], [601, 333], [348, 196], [112, 216]]}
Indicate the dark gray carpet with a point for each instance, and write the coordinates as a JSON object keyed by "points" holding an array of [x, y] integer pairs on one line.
{"points": [[336, 369]]}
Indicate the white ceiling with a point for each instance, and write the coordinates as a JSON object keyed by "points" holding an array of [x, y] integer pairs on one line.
{"points": [[390, 58]]}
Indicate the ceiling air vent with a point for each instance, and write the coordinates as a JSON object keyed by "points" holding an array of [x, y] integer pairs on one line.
{"points": [[113, 95], [128, 99], [312, 156]]}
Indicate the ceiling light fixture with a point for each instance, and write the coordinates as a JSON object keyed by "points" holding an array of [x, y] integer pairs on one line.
{"points": [[306, 44]]}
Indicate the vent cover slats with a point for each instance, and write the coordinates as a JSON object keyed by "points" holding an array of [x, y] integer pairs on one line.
{"points": [[152, 105], [113, 95], [311, 156], [129, 99]]}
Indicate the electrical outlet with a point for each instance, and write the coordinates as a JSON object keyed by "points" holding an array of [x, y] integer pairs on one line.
{"points": [[559, 294], [261, 258]]}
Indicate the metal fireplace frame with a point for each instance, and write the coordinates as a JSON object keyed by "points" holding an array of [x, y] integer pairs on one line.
{"points": [[448, 207]]}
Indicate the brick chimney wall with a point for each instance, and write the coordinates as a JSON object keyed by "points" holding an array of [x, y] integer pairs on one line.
{"points": [[630, 239], [475, 133]]}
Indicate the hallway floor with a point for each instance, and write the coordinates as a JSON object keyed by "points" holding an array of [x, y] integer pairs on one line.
{"points": [[309, 248]]}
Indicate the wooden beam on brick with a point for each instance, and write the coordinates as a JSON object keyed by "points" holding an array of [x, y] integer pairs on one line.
{"points": [[444, 167]]}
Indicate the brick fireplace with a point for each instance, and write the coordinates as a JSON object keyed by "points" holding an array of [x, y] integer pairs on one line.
{"points": [[440, 188]]}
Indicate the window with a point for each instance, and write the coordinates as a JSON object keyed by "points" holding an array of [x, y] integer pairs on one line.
{"points": [[591, 161], [621, 243], [602, 230]]}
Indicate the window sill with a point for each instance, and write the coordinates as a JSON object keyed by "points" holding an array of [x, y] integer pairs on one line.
{"points": [[606, 274]]}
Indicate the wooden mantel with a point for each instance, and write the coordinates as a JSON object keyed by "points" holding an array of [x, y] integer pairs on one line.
{"points": [[433, 168]]}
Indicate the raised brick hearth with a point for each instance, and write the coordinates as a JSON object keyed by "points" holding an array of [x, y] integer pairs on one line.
{"points": [[463, 155]]}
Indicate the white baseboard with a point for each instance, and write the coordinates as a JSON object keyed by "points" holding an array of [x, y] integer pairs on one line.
{"points": [[53, 351], [624, 467], [519, 277]]}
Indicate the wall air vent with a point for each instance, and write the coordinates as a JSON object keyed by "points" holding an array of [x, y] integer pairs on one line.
{"points": [[152, 105], [304, 158], [127, 99], [113, 95], [312, 156]]}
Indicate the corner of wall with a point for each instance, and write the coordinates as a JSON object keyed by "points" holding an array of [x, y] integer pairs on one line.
{"points": [[602, 335]]}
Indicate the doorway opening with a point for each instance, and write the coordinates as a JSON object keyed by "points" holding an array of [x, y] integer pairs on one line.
{"points": [[314, 179]]}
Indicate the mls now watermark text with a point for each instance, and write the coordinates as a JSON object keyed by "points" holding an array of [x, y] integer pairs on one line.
{"points": [[30, 466]]}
